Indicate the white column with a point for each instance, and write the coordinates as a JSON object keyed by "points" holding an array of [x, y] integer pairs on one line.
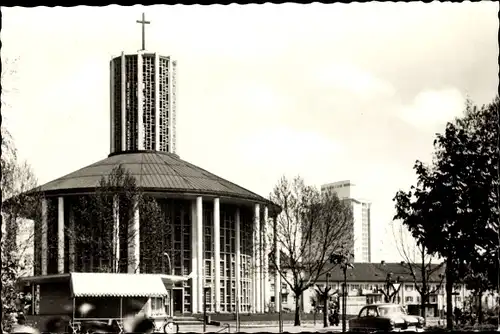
{"points": [[44, 243], [238, 260], [116, 234], [134, 240], [123, 77], [216, 241], [265, 263], [112, 106], [140, 99], [194, 259], [199, 250], [71, 240], [256, 260], [60, 235], [277, 277], [157, 102]]}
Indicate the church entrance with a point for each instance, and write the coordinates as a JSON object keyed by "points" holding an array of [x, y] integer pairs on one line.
{"points": [[178, 299]]}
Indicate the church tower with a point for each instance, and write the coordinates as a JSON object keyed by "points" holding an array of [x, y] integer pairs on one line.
{"points": [[143, 101]]}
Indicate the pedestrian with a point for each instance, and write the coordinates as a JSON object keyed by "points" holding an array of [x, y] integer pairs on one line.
{"points": [[335, 317], [330, 317]]}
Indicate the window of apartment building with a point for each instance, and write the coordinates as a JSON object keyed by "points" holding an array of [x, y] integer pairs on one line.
{"points": [[409, 299], [432, 299], [408, 287], [284, 299], [418, 299]]}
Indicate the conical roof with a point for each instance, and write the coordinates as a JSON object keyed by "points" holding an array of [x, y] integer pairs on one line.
{"points": [[153, 171]]}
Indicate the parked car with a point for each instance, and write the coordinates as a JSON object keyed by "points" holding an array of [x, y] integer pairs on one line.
{"points": [[385, 317]]}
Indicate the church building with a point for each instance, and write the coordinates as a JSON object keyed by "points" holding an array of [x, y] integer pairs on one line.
{"points": [[204, 251]]}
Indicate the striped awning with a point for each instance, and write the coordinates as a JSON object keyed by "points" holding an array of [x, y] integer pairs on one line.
{"points": [[117, 285]]}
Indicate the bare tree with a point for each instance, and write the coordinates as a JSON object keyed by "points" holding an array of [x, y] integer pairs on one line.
{"points": [[323, 295], [419, 263], [8, 77], [311, 227]]}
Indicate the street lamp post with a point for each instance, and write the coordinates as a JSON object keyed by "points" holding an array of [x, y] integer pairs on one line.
{"points": [[169, 263], [326, 304], [171, 304], [343, 260], [344, 297]]}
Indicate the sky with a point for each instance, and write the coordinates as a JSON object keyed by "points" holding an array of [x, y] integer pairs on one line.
{"points": [[326, 91]]}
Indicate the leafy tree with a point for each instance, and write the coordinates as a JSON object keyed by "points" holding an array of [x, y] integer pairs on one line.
{"points": [[17, 178], [453, 210], [114, 196], [311, 227]]}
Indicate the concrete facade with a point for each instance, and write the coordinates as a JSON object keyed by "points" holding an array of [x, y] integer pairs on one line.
{"points": [[361, 210], [210, 256], [143, 102]]}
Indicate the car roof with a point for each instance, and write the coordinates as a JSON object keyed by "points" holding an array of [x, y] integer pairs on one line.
{"points": [[382, 304]]}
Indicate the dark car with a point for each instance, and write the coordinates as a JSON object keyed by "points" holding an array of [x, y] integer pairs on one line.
{"points": [[385, 317]]}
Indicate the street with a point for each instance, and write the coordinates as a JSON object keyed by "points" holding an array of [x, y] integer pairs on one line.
{"points": [[255, 328]]}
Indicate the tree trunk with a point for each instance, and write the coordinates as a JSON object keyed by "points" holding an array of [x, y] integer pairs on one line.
{"points": [[423, 294], [297, 309], [449, 291], [422, 304], [480, 307], [325, 308]]}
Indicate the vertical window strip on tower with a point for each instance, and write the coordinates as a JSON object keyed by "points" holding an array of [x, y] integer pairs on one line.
{"points": [[131, 107], [173, 103], [117, 103], [163, 103], [148, 102]]}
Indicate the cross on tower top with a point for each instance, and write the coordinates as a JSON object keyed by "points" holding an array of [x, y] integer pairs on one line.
{"points": [[143, 22]]}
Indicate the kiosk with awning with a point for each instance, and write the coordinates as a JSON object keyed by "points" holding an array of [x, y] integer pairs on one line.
{"points": [[112, 295]]}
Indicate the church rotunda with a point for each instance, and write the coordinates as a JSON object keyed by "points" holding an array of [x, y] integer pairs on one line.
{"points": [[205, 247]]}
